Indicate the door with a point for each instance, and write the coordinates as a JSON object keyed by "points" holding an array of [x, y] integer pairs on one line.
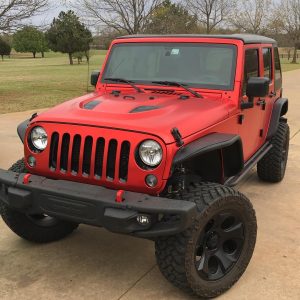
{"points": [[252, 119]]}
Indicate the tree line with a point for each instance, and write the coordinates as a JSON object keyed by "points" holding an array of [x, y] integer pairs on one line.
{"points": [[279, 19]]}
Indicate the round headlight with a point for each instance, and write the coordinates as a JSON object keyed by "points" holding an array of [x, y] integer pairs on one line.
{"points": [[39, 138], [150, 153]]}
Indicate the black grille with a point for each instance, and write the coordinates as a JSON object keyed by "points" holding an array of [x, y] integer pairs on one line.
{"points": [[88, 153], [53, 151], [124, 157], [111, 159]]}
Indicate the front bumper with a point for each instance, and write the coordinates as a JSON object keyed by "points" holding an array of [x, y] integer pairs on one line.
{"points": [[95, 205]]}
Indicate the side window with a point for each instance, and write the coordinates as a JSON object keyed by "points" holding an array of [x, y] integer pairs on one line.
{"points": [[278, 76], [251, 68], [267, 55]]}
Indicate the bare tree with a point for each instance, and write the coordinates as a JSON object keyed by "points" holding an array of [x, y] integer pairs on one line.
{"points": [[13, 12], [128, 16], [251, 16], [210, 13], [288, 13]]}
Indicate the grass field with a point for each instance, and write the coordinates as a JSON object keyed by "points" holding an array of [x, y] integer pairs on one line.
{"points": [[27, 83]]}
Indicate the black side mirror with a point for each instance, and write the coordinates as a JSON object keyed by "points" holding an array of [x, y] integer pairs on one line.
{"points": [[94, 77], [257, 87]]}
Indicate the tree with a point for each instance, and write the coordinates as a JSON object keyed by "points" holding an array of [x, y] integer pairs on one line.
{"points": [[13, 12], [5, 48], [130, 16], [171, 18], [252, 16], [68, 35], [29, 39], [210, 13], [288, 12]]}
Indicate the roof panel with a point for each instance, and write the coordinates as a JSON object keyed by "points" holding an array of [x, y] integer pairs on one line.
{"points": [[246, 38]]}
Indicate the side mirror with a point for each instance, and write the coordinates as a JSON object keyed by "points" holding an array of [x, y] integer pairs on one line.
{"points": [[257, 87], [94, 77]]}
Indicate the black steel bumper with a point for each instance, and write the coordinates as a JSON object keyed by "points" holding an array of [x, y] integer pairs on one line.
{"points": [[95, 205]]}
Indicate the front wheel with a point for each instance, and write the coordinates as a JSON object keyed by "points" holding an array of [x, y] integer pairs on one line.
{"points": [[208, 258], [35, 228]]}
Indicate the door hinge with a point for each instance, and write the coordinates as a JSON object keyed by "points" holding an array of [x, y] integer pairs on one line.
{"points": [[241, 119], [261, 133]]}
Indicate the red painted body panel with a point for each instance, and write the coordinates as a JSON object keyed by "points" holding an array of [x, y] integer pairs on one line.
{"points": [[218, 111]]}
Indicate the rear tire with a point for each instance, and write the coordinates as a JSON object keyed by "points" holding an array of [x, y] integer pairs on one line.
{"points": [[208, 258], [272, 166], [37, 228]]}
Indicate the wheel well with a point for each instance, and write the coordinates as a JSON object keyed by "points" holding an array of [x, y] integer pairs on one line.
{"points": [[213, 158], [218, 164]]}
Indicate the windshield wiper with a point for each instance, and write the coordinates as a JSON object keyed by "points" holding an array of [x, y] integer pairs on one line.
{"points": [[173, 83], [125, 81]]}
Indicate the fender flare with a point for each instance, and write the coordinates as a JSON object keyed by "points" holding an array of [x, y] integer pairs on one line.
{"points": [[22, 130], [280, 108], [230, 145]]}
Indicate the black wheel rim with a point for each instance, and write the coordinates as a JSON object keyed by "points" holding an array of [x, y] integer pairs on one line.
{"points": [[42, 220], [219, 245]]}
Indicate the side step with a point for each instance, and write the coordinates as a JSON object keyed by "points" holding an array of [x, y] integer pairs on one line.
{"points": [[232, 181]]}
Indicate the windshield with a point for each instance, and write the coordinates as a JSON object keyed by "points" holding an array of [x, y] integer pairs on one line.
{"points": [[210, 66]]}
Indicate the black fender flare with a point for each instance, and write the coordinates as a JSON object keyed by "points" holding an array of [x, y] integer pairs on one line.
{"points": [[280, 108], [230, 145], [22, 130]]}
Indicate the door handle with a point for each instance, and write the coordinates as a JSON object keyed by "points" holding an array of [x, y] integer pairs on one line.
{"points": [[261, 102]]}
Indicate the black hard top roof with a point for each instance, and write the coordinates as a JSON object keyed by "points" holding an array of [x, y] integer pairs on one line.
{"points": [[246, 38]]}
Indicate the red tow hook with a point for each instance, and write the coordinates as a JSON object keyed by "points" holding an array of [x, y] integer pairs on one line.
{"points": [[119, 196], [26, 178]]}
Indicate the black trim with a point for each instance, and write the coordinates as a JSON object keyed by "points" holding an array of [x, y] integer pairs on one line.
{"points": [[95, 205], [205, 144], [22, 130], [144, 108], [246, 38], [91, 105], [280, 108], [232, 181]]}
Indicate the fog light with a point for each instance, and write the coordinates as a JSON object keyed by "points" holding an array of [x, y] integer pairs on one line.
{"points": [[31, 161], [143, 220], [151, 180]]}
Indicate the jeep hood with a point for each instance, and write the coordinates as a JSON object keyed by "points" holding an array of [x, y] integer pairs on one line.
{"points": [[147, 113]]}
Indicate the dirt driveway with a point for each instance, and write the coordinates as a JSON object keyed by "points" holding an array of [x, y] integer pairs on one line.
{"points": [[95, 264]]}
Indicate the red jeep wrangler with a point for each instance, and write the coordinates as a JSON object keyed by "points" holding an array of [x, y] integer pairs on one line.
{"points": [[173, 124]]}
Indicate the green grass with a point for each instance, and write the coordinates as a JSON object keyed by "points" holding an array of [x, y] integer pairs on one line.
{"points": [[28, 84], [287, 66]]}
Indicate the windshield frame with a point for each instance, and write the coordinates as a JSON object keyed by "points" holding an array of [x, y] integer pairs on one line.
{"points": [[229, 87]]}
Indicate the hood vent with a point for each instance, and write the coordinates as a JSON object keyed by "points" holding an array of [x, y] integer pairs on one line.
{"points": [[91, 105], [143, 108], [163, 92]]}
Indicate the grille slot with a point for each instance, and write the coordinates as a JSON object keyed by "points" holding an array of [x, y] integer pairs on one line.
{"points": [[99, 156], [124, 157], [64, 152], [87, 155], [53, 151], [111, 159], [76, 154]]}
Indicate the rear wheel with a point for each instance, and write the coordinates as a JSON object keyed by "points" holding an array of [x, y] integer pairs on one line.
{"points": [[208, 258], [39, 228], [272, 166]]}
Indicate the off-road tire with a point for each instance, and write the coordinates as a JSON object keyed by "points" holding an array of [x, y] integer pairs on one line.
{"points": [[26, 227], [175, 254], [272, 166]]}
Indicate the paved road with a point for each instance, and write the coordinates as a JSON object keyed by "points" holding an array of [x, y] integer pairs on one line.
{"points": [[95, 264]]}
